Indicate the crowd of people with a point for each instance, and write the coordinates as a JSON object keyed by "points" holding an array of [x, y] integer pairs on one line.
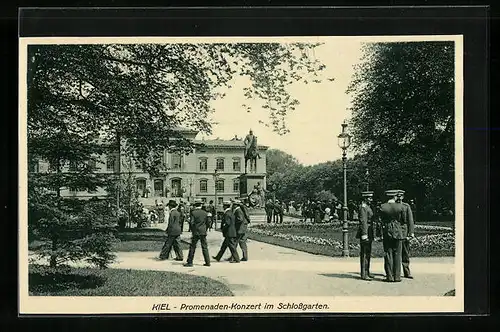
{"points": [[391, 222], [201, 219]]}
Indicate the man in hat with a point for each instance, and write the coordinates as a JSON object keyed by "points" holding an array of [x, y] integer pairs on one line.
{"points": [[241, 220], [408, 233], [230, 235], [365, 234], [173, 234], [199, 224], [392, 217]]}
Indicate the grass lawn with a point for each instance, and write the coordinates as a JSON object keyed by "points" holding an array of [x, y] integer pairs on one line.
{"points": [[44, 281], [137, 239], [132, 240], [335, 233]]}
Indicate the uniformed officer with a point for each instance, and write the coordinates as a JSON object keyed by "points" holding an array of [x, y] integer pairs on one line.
{"points": [[199, 225], [230, 236], [408, 233], [392, 217], [365, 234]]}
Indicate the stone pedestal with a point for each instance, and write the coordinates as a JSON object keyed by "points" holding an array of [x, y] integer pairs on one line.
{"points": [[248, 181]]}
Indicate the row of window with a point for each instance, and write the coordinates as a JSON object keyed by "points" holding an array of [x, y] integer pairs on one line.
{"points": [[176, 164]]}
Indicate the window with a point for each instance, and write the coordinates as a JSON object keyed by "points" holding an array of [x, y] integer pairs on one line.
{"points": [[203, 186], [110, 163], [219, 165], [237, 164], [219, 186], [73, 190], [220, 200], [203, 164], [176, 161], [236, 186]]}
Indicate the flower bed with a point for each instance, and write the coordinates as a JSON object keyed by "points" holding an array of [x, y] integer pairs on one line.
{"points": [[308, 225], [327, 238], [304, 239]]}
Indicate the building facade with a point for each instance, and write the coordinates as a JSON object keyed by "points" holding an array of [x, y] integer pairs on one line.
{"points": [[206, 172]]}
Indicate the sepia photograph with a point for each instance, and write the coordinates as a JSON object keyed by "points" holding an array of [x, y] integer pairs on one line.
{"points": [[249, 174]]}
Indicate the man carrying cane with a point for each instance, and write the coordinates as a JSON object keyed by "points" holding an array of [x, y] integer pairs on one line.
{"points": [[173, 234], [229, 232], [199, 224]]}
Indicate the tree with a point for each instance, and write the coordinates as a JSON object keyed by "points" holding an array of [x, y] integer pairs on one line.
{"points": [[279, 161], [403, 118], [86, 100]]}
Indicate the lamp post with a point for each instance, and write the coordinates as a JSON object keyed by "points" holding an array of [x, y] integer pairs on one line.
{"points": [[216, 177], [190, 190], [344, 141], [274, 202], [367, 174]]}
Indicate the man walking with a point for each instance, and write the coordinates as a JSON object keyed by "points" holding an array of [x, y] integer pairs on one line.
{"points": [[173, 234], [391, 214], [241, 221], [230, 235], [198, 225], [408, 233], [365, 234]]}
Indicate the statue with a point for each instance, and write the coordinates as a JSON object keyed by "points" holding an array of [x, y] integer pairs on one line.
{"points": [[258, 196], [251, 151]]}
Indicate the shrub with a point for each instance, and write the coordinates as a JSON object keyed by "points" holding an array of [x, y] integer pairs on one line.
{"points": [[71, 230]]}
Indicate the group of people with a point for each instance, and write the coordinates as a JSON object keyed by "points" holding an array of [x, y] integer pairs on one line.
{"points": [[159, 214], [234, 227], [392, 223]]}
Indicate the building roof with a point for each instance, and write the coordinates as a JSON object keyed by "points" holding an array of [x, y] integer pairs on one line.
{"points": [[221, 143]]}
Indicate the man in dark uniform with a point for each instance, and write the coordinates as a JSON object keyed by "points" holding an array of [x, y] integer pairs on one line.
{"points": [[408, 233], [391, 214], [269, 207], [365, 234], [173, 234], [241, 221], [230, 236], [278, 212], [199, 224]]}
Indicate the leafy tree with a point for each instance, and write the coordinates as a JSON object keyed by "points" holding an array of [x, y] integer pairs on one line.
{"points": [[403, 118], [86, 100], [279, 161]]}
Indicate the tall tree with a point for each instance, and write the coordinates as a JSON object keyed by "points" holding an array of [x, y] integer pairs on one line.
{"points": [[279, 161], [84, 100], [403, 118]]}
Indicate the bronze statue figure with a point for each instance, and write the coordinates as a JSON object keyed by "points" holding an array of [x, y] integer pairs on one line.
{"points": [[251, 151]]}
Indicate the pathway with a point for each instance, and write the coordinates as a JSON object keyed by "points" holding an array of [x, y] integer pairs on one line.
{"points": [[278, 271]]}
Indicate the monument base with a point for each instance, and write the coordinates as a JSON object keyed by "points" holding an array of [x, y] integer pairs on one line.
{"points": [[248, 181]]}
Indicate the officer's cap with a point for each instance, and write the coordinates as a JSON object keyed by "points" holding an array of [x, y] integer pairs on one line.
{"points": [[367, 194], [392, 192], [401, 192], [226, 203]]}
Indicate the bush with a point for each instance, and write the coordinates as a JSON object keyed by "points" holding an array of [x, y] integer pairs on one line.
{"points": [[71, 230]]}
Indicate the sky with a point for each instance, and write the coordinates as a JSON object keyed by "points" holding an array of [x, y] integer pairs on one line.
{"points": [[314, 124]]}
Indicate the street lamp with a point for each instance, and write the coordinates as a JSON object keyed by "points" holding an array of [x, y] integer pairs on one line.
{"points": [[274, 202], [344, 141], [367, 174], [190, 190], [216, 177]]}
